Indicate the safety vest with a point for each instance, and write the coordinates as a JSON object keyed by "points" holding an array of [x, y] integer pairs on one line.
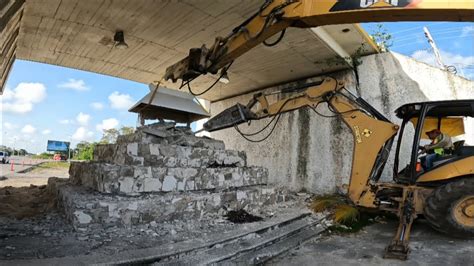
{"points": [[439, 151]]}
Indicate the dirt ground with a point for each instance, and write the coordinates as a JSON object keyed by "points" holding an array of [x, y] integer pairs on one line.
{"points": [[25, 202]]}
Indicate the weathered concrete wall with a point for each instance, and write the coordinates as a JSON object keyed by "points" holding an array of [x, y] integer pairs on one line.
{"points": [[309, 152]]}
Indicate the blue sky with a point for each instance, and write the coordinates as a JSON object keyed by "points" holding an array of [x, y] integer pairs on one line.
{"points": [[44, 102], [454, 40], [75, 105]]}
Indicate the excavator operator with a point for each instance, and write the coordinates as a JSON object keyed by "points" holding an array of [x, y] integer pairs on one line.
{"points": [[441, 144]]}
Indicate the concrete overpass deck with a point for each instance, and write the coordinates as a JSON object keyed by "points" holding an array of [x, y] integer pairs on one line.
{"points": [[79, 34]]}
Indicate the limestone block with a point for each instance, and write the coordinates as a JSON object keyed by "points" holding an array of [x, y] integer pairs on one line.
{"points": [[132, 149], [154, 149], [151, 184], [169, 183], [126, 185], [82, 218]]}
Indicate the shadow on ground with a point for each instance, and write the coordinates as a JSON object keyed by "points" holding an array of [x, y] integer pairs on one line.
{"points": [[367, 247]]}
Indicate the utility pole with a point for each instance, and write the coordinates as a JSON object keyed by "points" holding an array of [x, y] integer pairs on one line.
{"points": [[435, 48]]}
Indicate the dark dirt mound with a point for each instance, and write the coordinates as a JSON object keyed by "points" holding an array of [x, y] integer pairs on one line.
{"points": [[241, 216], [25, 202]]}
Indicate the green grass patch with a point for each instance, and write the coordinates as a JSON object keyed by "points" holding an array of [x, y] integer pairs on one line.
{"points": [[53, 165]]}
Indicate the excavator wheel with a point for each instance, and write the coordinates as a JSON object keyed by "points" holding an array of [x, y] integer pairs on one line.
{"points": [[450, 208]]}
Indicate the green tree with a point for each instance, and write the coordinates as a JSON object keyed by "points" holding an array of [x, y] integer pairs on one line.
{"points": [[44, 155], [22, 152], [109, 136], [382, 38], [84, 151], [126, 130]]}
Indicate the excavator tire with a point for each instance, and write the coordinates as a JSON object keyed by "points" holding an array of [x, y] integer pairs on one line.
{"points": [[450, 208]]}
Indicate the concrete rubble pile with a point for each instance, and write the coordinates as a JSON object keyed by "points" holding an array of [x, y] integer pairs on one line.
{"points": [[160, 173]]}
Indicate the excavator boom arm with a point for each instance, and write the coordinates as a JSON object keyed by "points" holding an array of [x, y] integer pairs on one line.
{"points": [[372, 134], [275, 16]]}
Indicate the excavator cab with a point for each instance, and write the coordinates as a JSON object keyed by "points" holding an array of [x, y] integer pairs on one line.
{"points": [[444, 193], [454, 118]]}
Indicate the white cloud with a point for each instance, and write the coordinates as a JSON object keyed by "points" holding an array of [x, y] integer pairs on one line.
{"points": [[467, 31], [97, 106], [107, 124], [17, 108], [21, 99], [82, 134], [9, 126], [46, 132], [75, 84], [83, 119], [28, 129], [8, 94], [120, 101], [65, 121]]}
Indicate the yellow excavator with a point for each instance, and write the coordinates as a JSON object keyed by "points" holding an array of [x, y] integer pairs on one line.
{"points": [[443, 194]]}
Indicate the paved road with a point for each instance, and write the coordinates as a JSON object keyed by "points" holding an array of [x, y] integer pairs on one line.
{"points": [[19, 164]]}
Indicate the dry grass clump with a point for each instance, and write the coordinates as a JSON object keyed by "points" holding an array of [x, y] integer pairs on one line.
{"points": [[339, 207]]}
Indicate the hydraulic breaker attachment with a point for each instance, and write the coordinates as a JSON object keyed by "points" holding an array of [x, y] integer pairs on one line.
{"points": [[230, 117], [399, 247]]}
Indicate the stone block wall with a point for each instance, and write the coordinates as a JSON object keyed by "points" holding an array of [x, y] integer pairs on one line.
{"points": [[161, 172], [141, 154], [83, 207], [131, 180]]}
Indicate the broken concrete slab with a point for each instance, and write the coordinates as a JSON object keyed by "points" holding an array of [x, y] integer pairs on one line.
{"points": [[181, 136]]}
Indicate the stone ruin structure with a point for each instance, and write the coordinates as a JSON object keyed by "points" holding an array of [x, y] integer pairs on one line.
{"points": [[161, 172]]}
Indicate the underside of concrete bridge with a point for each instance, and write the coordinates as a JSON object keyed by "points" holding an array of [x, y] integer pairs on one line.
{"points": [[80, 34]]}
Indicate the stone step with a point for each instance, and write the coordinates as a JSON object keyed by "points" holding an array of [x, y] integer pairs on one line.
{"points": [[132, 180], [167, 155], [84, 207], [176, 138]]}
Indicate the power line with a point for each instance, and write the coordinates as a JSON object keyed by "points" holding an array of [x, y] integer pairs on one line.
{"points": [[446, 38], [434, 33], [418, 27]]}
